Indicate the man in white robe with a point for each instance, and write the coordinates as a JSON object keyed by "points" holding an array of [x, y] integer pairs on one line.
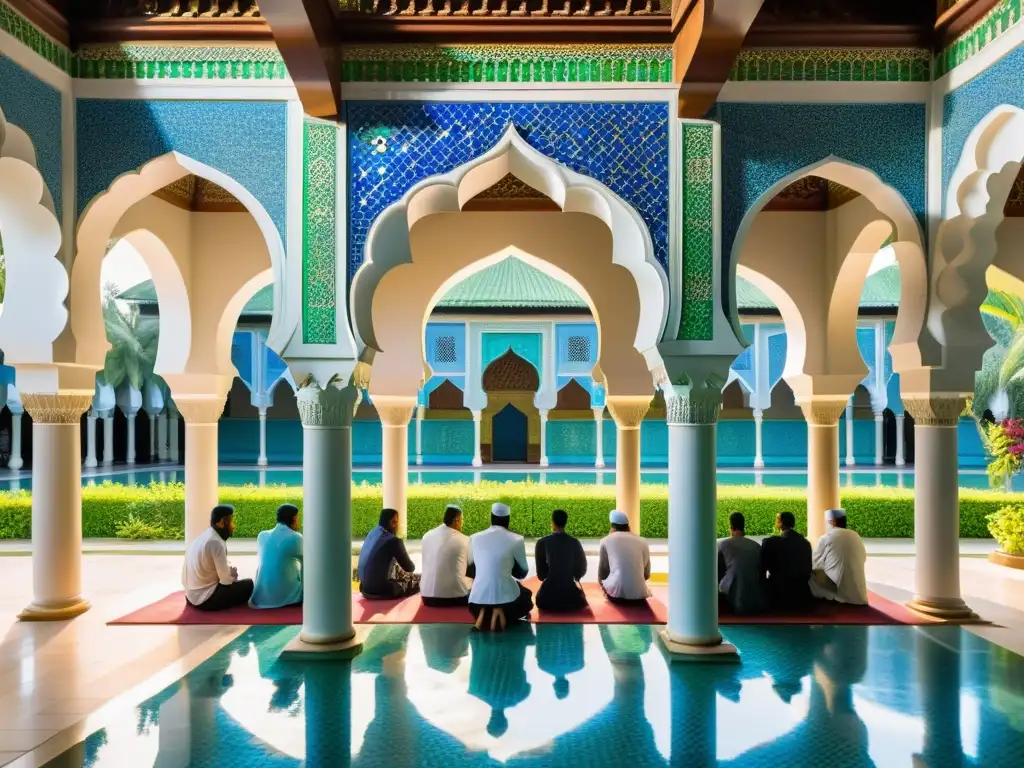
{"points": [[838, 563]]}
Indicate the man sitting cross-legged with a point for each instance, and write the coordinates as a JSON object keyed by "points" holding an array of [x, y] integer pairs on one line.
{"points": [[445, 560], [497, 558], [210, 581], [786, 559], [279, 573], [625, 563], [839, 559], [385, 568], [561, 563]]}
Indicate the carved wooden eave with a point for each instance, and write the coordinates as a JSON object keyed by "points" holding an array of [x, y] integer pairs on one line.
{"points": [[169, 29], [49, 19], [956, 20], [707, 36]]}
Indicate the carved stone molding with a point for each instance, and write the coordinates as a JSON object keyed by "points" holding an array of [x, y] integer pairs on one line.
{"points": [[396, 412], [331, 407], [935, 411], [55, 409], [200, 409], [699, 409], [823, 413], [628, 412]]}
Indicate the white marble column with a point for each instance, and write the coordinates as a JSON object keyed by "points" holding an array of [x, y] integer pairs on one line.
{"points": [[936, 507], [172, 427], [758, 438], [201, 414], [130, 455], [327, 514], [108, 438], [692, 523], [90, 439], [851, 458], [543, 438], [628, 413], [56, 505], [419, 434], [901, 451], [477, 417], [395, 413], [261, 460], [599, 438], [822, 462], [152, 437], [16, 461], [161, 435], [879, 439]]}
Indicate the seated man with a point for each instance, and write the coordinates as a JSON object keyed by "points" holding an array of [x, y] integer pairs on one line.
{"points": [[838, 561], [786, 559], [625, 563], [385, 568], [210, 581], [739, 569], [561, 563], [497, 558], [279, 573], [445, 560]]}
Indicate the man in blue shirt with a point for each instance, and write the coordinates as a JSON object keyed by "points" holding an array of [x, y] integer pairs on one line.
{"points": [[279, 574], [385, 568]]}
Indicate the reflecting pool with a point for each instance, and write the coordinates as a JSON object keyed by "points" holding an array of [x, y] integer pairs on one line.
{"points": [[561, 695]]}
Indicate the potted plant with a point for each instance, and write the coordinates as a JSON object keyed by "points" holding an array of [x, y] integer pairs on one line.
{"points": [[1007, 528]]}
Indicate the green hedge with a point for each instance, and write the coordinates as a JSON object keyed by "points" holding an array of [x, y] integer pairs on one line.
{"points": [[881, 512]]}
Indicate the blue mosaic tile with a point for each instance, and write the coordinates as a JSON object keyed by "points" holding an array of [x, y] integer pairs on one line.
{"points": [[623, 145], [964, 107], [247, 141], [34, 106], [762, 143]]}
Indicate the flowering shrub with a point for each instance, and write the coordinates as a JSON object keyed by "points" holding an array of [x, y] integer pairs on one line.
{"points": [[1007, 528], [1004, 441]]}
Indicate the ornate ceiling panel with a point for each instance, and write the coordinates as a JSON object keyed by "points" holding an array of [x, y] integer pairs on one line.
{"points": [[195, 194], [811, 193], [511, 373]]}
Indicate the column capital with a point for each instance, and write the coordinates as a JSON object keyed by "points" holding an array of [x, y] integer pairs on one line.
{"points": [[938, 410], [200, 409], [628, 411], [60, 408], [701, 408], [394, 411], [823, 412], [330, 406]]}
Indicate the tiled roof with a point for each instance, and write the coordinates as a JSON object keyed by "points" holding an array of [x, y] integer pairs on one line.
{"points": [[881, 290]]}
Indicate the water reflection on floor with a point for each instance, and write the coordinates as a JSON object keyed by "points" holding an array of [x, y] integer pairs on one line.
{"points": [[561, 695], [790, 478]]}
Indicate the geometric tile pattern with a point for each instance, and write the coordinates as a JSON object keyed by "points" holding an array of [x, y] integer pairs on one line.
{"points": [[835, 65], [319, 233], [193, 62], [995, 23], [594, 63], [16, 25], [394, 145], [697, 319]]}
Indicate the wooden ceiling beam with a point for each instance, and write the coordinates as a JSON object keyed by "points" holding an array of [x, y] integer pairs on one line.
{"points": [[957, 19], [707, 36], [45, 16], [305, 33]]}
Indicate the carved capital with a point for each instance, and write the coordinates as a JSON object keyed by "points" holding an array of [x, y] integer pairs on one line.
{"points": [[693, 409], [55, 409], [330, 406], [823, 413], [200, 409], [936, 411], [628, 412], [394, 411]]}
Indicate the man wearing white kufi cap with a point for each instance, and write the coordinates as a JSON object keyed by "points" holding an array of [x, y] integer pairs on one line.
{"points": [[497, 558], [624, 565], [838, 562]]}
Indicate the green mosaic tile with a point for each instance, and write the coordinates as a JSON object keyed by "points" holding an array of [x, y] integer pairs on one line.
{"points": [[997, 22], [184, 62], [20, 28], [319, 233], [507, 64], [697, 318], [833, 65]]}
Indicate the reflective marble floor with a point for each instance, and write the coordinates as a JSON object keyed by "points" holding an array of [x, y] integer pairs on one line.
{"points": [[565, 695]]}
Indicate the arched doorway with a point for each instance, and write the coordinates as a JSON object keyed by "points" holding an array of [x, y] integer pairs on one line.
{"points": [[511, 422], [510, 435]]}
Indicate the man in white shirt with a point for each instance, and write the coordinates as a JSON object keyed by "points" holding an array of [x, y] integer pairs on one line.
{"points": [[445, 559], [624, 565], [497, 558], [838, 563], [210, 581]]}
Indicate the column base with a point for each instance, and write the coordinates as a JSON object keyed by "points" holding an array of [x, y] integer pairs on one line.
{"points": [[55, 613], [91, 464], [758, 463], [15, 464], [901, 463], [851, 462], [477, 463], [544, 463], [943, 610], [300, 650], [261, 462], [720, 653], [599, 465]]}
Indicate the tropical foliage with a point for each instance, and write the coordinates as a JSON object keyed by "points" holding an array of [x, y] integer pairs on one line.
{"points": [[1004, 443], [1007, 528], [999, 386], [133, 340]]}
